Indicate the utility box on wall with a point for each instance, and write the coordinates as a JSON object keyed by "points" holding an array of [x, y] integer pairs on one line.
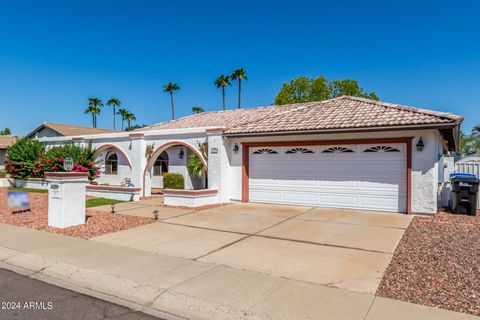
{"points": [[66, 198]]}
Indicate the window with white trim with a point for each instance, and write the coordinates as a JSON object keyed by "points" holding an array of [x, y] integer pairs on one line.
{"points": [[111, 163], [160, 166]]}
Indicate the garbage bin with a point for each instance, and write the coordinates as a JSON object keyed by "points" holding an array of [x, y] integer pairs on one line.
{"points": [[464, 193]]}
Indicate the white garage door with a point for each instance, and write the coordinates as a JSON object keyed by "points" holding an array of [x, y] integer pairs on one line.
{"points": [[369, 177]]}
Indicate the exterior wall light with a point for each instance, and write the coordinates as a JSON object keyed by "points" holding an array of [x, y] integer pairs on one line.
{"points": [[420, 144], [68, 164], [181, 154], [235, 148]]}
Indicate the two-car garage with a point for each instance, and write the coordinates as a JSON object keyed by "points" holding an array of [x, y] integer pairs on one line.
{"points": [[369, 176]]}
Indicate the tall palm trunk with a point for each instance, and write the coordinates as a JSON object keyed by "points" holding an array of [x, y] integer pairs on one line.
{"points": [[239, 91], [123, 120], [93, 120], [173, 107], [128, 121], [223, 96], [114, 120]]}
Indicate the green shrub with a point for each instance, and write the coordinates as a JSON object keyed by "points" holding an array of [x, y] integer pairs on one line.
{"points": [[173, 181], [195, 166], [23, 159], [83, 159], [28, 159]]}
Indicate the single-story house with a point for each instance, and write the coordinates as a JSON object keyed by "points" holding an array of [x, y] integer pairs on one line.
{"points": [[345, 152], [5, 142], [48, 130]]}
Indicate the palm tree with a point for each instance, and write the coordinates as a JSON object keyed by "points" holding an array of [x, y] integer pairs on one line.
{"points": [[197, 110], [114, 102], [239, 75], [222, 82], [171, 87], [130, 117], [94, 111], [94, 105], [123, 113]]}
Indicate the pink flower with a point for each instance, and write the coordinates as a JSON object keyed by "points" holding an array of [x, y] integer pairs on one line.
{"points": [[54, 168]]}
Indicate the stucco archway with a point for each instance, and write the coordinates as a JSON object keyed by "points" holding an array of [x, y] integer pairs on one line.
{"points": [[164, 147], [106, 147]]}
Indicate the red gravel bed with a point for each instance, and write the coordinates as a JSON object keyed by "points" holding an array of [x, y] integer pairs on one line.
{"points": [[97, 224], [437, 263]]}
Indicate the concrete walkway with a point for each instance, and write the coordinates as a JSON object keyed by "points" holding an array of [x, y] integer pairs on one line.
{"points": [[177, 288]]}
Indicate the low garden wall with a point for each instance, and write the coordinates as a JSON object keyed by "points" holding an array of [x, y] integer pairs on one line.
{"points": [[4, 182], [190, 198], [114, 192], [34, 183]]}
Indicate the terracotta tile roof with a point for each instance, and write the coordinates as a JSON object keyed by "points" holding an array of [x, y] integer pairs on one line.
{"points": [[70, 130], [228, 118], [338, 113], [6, 141]]}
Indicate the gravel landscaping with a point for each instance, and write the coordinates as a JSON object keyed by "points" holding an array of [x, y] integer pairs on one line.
{"points": [[98, 223], [437, 263]]}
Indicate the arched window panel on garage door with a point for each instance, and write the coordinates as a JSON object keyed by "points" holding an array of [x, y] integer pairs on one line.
{"points": [[382, 148], [338, 150], [299, 151], [265, 151]]}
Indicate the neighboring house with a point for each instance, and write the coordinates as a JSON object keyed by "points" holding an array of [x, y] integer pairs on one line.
{"points": [[5, 142], [345, 152], [48, 130]]}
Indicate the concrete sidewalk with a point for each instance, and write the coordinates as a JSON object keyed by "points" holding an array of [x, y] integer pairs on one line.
{"points": [[177, 288]]}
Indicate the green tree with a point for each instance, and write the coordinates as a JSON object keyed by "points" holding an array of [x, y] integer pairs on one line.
{"points": [[303, 89], [130, 117], [197, 110], [239, 75], [170, 88], [319, 89], [350, 87], [5, 132], [469, 144], [222, 82], [94, 105], [114, 103], [123, 114]]}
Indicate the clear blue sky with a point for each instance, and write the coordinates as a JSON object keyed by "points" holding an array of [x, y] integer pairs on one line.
{"points": [[56, 54]]}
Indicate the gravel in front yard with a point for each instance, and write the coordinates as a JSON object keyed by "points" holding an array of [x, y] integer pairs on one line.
{"points": [[98, 223], [437, 263]]}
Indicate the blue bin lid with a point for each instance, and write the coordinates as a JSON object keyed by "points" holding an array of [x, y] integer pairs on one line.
{"points": [[463, 175]]}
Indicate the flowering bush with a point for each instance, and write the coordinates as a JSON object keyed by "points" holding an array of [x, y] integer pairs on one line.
{"points": [[21, 166]]}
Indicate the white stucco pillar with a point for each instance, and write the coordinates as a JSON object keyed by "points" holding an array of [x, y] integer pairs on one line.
{"points": [[66, 198], [218, 173], [138, 159]]}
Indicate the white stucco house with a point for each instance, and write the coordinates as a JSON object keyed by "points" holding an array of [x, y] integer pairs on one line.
{"points": [[345, 152]]}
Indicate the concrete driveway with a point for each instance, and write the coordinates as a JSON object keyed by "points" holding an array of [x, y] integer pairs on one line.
{"points": [[348, 249]]}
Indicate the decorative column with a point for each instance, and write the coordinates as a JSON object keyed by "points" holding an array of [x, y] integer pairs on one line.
{"points": [[218, 173], [66, 198], [137, 157]]}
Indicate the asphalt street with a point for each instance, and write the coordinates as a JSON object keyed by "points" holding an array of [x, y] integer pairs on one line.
{"points": [[30, 299]]}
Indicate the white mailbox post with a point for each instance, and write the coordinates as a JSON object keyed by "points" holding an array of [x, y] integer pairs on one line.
{"points": [[66, 198]]}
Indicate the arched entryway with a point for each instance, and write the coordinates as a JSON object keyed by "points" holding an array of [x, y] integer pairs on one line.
{"points": [[115, 166], [172, 157]]}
